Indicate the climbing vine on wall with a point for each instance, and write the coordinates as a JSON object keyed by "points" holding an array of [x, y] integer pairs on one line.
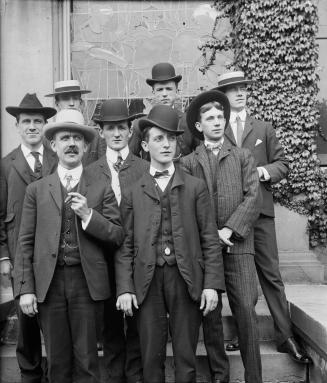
{"points": [[274, 44]]}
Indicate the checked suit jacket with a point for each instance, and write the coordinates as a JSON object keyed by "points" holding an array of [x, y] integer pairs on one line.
{"points": [[260, 138], [237, 191]]}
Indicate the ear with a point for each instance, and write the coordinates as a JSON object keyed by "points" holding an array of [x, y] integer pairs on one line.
{"points": [[198, 127], [101, 132], [53, 145], [131, 130], [145, 146]]}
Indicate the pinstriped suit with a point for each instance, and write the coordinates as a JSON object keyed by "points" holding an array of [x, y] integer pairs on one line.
{"points": [[121, 356], [237, 208]]}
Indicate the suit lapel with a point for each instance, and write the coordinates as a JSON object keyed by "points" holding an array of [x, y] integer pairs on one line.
{"points": [[230, 135], [105, 167], [149, 187], [21, 165], [83, 185], [225, 150], [247, 128], [203, 160], [128, 161], [55, 189], [49, 162]]}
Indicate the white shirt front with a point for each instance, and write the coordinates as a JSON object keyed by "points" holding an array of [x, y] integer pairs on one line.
{"points": [[162, 182], [29, 157], [112, 156]]}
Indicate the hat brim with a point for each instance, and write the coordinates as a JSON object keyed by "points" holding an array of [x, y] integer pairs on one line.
{"points": [[146, 123], [82, 91], [47, 112], [237, 82], [151, 81], [119, 118], [198, 101], [88, 132]]}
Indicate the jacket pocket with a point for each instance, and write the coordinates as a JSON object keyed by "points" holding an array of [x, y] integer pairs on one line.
{"points": [[9, 217]]}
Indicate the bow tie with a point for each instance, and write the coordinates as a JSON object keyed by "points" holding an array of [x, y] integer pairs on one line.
{"points": [[163, 174], [214, 147]]}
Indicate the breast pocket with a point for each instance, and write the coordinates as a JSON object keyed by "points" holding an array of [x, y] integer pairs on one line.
{"points": [[9, 220]]}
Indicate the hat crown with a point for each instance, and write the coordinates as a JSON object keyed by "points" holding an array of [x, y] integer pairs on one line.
{"points": [[67, 84], [163, 71], [114, 108], [165, 116], [71, 116], [30, 101]]}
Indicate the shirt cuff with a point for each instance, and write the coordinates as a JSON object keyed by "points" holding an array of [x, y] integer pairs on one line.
{"points": [[265, 176], [86, 223], [5, 259]]}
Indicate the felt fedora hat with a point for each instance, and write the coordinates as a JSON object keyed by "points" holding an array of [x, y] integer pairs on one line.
{"points": [[31, 104], [232, 78], [115, 110], [163, 117], [163, 72], [192, 114], [67, 86], [72, 120]]}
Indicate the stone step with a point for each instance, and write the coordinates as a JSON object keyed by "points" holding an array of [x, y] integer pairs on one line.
{"points": [[276, 367]]}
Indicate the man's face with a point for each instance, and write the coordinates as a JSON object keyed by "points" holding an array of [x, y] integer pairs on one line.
{"points": [[116, 134], [70, 147], [212, 124], [162, 147], [237, 95], [30, 128], [69, 101], [165, 92]]}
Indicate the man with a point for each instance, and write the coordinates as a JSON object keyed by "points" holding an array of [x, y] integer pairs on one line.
{"points": [[68, 95], [121, 169], [272, 166], [164, 83], [170, 260], [233, 186], [60, 268], [25, 164]]}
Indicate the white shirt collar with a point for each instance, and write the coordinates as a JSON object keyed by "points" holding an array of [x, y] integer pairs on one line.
{"points": [[26, 151], [242, 115], [210, 143], [75, 173], [112, 155], [171, 170]]}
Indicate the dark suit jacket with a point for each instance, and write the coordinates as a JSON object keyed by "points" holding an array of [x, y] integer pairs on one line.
{"points": [[14, 178], [237, 191], [39, 235], [132, 170], [186, 142], [195, 237], [269, 154]]}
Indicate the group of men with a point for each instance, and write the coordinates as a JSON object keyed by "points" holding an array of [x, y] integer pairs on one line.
{"points": [[171, 210]]}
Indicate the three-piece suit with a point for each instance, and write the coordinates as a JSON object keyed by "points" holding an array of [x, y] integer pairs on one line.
{"points": [[65, 267], [16, 174], [260, 138], [170, 281], [233, 185], [121, 353]]}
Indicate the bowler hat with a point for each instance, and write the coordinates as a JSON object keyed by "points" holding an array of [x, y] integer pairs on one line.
{"points": [[31, 104], [163, 72], [192, 114], [72, 120], [67, 86], [163, 117], [115, 110], [232, 78]]}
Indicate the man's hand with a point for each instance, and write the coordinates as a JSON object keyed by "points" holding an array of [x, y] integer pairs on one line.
{"points": [[125, 302], [79, 205], [209, 300], [5, 268], [224, 235], [28, 304]]}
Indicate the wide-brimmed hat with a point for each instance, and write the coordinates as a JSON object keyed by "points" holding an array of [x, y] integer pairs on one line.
{"points": [[163, 72], [67, 86], [72, 120], [232, 78], [31, 104], [203, 98], [163, 117], [115, 110]]}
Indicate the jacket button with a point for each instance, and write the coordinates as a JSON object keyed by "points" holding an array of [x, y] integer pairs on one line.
{"points": [[54, 255], [22, 282]]}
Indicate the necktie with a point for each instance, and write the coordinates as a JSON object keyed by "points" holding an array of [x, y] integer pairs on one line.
{"points": [[239, 131], [68, 186], [37, 164], [214, 147], [119, 163], [163, 174]]}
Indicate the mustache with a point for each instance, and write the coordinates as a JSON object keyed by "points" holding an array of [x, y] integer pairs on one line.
{"points": [[72, 149]]}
